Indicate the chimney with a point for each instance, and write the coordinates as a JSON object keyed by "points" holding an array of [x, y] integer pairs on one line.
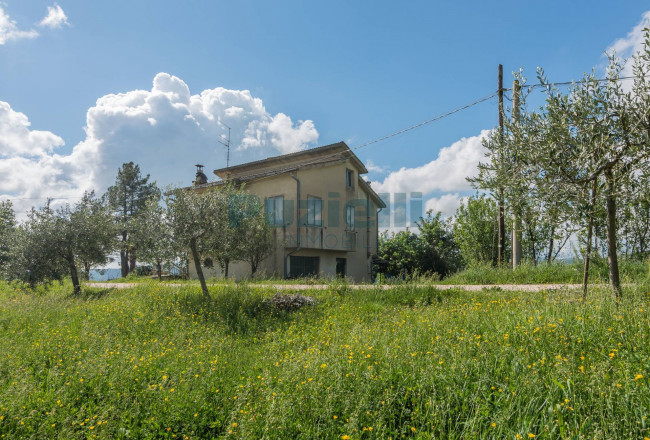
{"points": [[201, 178]]}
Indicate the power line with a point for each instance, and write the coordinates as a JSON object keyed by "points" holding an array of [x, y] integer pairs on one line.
{"points": [[428, 121], [374, 141], [568, 83]]}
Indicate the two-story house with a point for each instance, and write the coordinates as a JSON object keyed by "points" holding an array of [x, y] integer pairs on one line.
{"points": [[322, 213]]}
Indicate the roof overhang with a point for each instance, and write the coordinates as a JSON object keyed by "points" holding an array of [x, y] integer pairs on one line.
{"points": [[292, 161]]}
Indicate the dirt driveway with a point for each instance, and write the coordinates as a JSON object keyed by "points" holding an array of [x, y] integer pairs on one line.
{"points": [[472, 287]]}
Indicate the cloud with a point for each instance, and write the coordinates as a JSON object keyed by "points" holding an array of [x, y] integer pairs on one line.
{"points": [[447, 204], [9, 31], [55, 17], [448, 172], [166, 130], [16, 139], [373, 168]]}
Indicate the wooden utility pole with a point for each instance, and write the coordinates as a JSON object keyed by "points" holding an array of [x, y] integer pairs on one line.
{"points": [[516, 223], [501, 221]]}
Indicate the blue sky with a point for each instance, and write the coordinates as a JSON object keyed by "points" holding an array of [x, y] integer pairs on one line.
{"points": [[356, 70]]}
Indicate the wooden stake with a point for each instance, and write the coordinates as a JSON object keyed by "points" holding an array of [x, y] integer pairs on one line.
{"points": [[502, 226]]}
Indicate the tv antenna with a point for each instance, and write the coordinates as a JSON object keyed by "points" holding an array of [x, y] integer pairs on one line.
{"points": [[226, 143]]}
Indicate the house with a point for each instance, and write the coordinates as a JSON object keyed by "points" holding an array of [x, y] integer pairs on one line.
{"points": [[322, 213]]}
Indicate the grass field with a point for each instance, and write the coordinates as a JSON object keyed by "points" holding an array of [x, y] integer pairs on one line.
{"points": [[631, 271], [155, 362]]}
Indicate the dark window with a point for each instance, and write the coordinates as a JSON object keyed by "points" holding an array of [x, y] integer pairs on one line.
{"points": [[349, 178], [340, 267], [303, 266]]}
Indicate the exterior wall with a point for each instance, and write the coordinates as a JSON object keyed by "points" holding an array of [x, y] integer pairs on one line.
{"points": [[331, 240]]}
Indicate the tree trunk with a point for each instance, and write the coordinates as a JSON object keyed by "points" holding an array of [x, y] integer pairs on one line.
{"points": [[549, 257], [159, 267], [124, 256], [501, 245], [199, 269], [124, 263], [74, 275], [614, 278], [86, 271], [531, 235], [590, 231], [131, 260], [226, 265]]}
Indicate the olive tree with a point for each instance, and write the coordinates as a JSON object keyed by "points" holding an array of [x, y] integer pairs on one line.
{"points": [[153, 237], [7, 230], [53, 242]]}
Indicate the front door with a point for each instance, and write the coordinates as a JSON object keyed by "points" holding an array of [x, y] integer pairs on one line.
{"points": [[340, 267]]}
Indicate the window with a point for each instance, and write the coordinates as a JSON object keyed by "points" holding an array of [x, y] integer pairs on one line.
{"points": [[349, 178], [303, 266], [349, 217], [275, 210], [314, 211]]}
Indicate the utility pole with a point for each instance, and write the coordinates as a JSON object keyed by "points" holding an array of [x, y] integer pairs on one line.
{"points": [[516, 223], [501, 221]]}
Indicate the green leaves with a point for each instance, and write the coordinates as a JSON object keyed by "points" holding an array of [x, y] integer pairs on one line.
{"points": [[51, 243]]}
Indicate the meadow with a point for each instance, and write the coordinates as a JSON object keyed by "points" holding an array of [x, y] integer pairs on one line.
{"points": [[413, 362]]}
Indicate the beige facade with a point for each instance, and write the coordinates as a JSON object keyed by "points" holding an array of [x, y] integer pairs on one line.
{"points": [[331, 231]]}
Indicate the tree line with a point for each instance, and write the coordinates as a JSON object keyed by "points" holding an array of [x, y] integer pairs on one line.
{"points": [[142, 223]]}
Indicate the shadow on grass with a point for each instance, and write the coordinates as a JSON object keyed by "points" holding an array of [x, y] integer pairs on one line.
{"points": [[92, 293], [241, 310]]}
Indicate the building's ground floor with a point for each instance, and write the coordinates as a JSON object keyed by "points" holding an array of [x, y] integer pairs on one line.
{"points": [[292, 263]]}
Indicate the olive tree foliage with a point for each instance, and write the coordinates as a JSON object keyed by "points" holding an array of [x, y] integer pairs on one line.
{"points": [[510, 173], [580, 154], [474, 230], [249, 230], [52, 243], [196, 219], [7, 230], [128, 198], [222, 223], [152, 236], [594, 139]]}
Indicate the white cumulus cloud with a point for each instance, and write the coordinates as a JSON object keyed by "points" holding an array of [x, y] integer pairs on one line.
{"points": [[374, 168], [16, 138], [447, 204], [448, 172], [166, 130], [9, 30], [55, 17]]}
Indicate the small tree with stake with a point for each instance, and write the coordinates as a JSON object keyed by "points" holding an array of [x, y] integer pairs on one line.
{"points": [[195, 219]]}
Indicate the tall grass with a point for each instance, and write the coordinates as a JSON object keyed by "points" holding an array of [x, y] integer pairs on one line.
{"points": [[631, 271], [156, 362]]}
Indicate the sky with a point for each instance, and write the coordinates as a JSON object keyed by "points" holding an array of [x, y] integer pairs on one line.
{"points": [[86, 86]]}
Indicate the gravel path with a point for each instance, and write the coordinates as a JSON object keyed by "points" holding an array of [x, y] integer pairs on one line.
{"points": [[472, 287]]}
